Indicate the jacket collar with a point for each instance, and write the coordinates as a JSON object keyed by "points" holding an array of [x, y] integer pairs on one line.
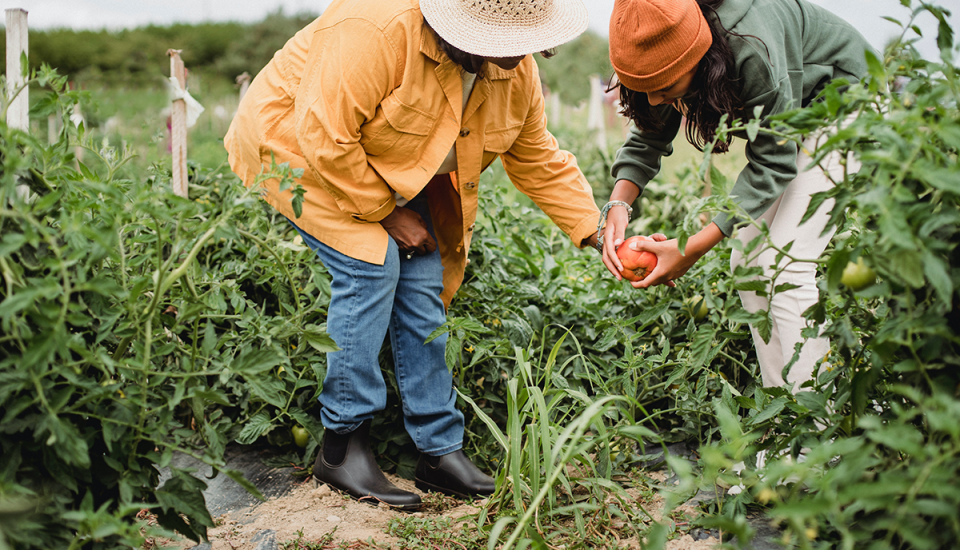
{"points": [[448, 73], [430, 48]]}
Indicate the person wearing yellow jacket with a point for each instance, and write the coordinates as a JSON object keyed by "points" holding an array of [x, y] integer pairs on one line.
{"points": [[392, 109]]}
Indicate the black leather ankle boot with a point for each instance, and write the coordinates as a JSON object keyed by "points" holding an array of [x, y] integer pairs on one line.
{"points": [[452, 474], [359, 476]]}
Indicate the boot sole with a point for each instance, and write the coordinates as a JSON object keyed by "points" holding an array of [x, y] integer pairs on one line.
{"points": [[371, 500], [430, 487]]}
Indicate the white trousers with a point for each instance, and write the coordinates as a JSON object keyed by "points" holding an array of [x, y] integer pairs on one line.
{"points": [[787, 307]]}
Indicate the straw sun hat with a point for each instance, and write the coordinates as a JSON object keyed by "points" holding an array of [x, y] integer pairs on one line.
{"points": [[505, 28]]}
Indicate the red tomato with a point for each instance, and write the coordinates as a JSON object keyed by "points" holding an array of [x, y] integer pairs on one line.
{"points": [[636, 265]]}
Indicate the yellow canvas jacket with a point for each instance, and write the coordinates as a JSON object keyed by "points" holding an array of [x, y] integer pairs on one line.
{"points": [[364, 101]]}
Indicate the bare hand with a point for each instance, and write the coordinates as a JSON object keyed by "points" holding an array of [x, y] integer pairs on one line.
{"points": [[409, 231], [613, 234], [671, 264]]}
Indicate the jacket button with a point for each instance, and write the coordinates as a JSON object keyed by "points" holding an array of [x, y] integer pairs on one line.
{"points": [[465, 132], [470, 185]]}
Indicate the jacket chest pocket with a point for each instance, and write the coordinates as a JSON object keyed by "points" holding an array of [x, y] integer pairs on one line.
{"points": [[397, 129], [497, 142]]}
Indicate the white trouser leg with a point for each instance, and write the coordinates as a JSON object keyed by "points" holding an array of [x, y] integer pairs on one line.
{"points": [[787, 307]]}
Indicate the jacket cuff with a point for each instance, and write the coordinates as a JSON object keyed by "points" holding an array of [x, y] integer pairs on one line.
{"points": [[584, 229], [377, 214], [726, 222], [632, 174]]}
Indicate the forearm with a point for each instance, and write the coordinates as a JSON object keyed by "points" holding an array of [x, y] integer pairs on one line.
{"points": [[625, 191], [701, 243]]}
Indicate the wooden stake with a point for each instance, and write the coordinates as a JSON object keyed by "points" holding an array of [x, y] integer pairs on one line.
{"points": [[244, 82], [595, 117], [53, 129], [17, 45], [555, 109], [178, 127], [77, 119]]}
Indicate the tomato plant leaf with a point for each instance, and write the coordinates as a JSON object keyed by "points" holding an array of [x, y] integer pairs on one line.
{"points": [[255, 362], [320, 341], [938, 275], [237, 476], [255, 427]]}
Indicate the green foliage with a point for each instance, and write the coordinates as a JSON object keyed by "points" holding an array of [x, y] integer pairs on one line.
{"points": [[568, 73], [137, 324], [548, 468], [254, 48], [428, 533]]}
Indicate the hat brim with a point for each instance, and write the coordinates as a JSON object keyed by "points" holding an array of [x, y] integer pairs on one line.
{"points": [[487, 38]]}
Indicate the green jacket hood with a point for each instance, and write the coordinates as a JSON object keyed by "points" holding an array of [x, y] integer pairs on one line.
{"points": [[731, 12]]}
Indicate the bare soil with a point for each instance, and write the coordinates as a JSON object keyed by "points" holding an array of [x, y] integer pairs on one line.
{"points": [[310, 512]]}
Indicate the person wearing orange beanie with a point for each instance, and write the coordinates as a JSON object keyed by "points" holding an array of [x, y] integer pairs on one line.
{"points": [[700, 60]]}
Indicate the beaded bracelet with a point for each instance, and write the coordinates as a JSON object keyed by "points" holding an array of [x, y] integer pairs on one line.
{"points": [[603, 220]]}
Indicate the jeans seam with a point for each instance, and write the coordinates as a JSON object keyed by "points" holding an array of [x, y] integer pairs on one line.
{"points": [[398, 370]]}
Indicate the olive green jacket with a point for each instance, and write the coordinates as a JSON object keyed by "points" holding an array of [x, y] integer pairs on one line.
{"points": [[787, 52]]}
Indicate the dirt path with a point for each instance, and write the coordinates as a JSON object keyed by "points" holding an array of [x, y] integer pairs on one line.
{"points": [[313, 513]]}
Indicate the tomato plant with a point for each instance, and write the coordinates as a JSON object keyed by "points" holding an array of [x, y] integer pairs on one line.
{"points": [[137, 324]]}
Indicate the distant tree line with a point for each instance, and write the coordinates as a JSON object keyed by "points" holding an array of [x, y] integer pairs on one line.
{"points": [[224, 50], [139, 56]]}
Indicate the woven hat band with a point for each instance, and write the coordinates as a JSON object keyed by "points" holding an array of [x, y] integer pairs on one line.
{"points": [[655, 42], [528, 13]]}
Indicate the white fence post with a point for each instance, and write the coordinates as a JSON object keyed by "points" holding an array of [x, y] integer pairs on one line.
{"points": [[76, 117], [244, 82], [53, 129], [18, 112], [17, 44], [554, 109], [595, 114], [178, 127]]}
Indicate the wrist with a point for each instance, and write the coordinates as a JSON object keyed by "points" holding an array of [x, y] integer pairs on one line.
{"points": [[606, 210], [703, 241], [594, 241]]}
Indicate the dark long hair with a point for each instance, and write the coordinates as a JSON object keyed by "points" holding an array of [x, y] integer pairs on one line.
{"points": [[468, 61], [714, 91]]}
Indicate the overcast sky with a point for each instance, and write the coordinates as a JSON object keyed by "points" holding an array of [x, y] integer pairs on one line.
{"points": [[114, 14]]}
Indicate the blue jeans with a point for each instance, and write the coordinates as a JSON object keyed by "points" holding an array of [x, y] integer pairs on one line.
{"points": [[401, 297]]}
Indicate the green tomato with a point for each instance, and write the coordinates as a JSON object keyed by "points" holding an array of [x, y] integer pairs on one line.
{"points": [[858, 276], [300, 436], [696, 307]]}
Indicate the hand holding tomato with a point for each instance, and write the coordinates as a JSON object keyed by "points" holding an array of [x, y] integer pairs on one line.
{"points": [[636, 264], [671, 263], [627, 263]]}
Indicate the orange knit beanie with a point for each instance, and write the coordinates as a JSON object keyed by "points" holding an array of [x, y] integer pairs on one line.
{"points": [[655, 42]]}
